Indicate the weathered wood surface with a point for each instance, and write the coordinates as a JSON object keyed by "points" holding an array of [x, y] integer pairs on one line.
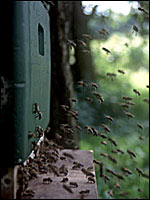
{"points": [[55, 190]]}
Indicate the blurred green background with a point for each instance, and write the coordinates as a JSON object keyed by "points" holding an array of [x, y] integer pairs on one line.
{"points": [[130, 53]]}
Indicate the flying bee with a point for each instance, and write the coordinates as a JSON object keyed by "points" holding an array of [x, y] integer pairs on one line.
{"points": [[89, 129], [140, 171], [120, 151], [104, 154], [86, 51], [88, 99], [131, 153], [91, 180], [40, 114], [73, 100], [106, 50], [78, 127], [111, 172], [67, 188], [47, 180], [127, 98], [112, 141], [109, 118], [140, 126], [137, 92], [106, 178], [117, 185], [31, 135], [102, 135], [114, 151], [143, 10], [95, 132], [130, 115], [121, 71], [146, 100], [73, 184], [82, 83], [135, 28], [94, 85], [119, 176], [104, 142], [123, 194], [96, 162], [78, 164], [126, 170], [141, 137], [111, 75], [112, 159], [82, 43], [87, 36], [110, 192], [130, 103], [139, 190], [106, 128], [145, 175], [71, 44], [124, 105]]}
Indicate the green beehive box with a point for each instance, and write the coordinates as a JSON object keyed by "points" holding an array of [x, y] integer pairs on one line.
{"points": [[31, 73]]}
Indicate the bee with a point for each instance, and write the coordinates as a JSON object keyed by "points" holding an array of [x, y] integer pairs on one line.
{"points": [[145, 175], [140, 126], [147, 86], [126, 170], [117, 185], [106, 128], [126, 44], [86, 51], [104, 142], [64, 180], [39, 130], [111, 172], [125, 105], [73, 100], [67, 188], [68, 155], [130, 103], [47, 180], [106, 178], [82, 43], [104, 32], [91, 180], [131, 153], [137, 92], [112, 141], [106, 50], [120, 151], [143, 10], [146, 100], [89, 129], [31, 135], [65, 107], [112, 159], [104, 154], [135, 28], [58, 137], [88, 99], [121, 71], [54, 169], [119, 176], [78, 127], [95, 132], [87, 173], [29, 193], [140, 171], [102, 135], [84, 191], [109, 118], [114, 151], [36, 108], [130, 115], [73, 184], [87, 36], [47, 130], [96, 162], [101, 170], [71, 44], [82, 83], [111, 75], [127, 98], [40, 114], [94, 85], [90, 168], [141, 137], [78, 164], [110, 192]]}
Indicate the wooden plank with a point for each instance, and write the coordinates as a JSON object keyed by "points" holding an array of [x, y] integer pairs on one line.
{"points": [[55, 190]]}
